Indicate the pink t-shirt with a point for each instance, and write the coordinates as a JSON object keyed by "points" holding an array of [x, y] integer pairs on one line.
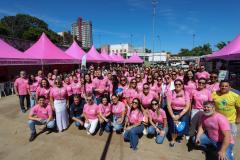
{"points": [[214, 125], [69, 89], [59, 93], [213, 87], [43, 92], [51, 82], [118, 109], [180, 77], [123, 87], [157, 88], [147, 99], [130, 93], [190, 87], [104, 109], [178, 101], [140, 87], [157, 118], [199, 97], [38, 78], [109, 86], [130, 78], [203, 74], [76, 88], [135, 117], [22, 86], [99, 84], [33, 87], [91, 111], [89, 87], [41, 112]]}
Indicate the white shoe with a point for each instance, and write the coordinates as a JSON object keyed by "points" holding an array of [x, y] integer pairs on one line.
{"points": [[145, 131], [187, 138], [88, 133]]}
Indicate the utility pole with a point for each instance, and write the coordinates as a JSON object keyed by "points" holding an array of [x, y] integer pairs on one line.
{"points": [[154, 3], [193, 40], [144, 47], [158, 37]]}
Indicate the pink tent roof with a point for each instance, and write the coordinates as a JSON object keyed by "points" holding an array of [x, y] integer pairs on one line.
{"points": [[121, 59], [48, 53], [75, 51], [93, 53], [11, 56], [105, 55], [134, 59], [114, 58], [230, 51]]}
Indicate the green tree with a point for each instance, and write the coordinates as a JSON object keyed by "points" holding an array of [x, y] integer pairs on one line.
{"points": [[3, 30], [220, 45]]}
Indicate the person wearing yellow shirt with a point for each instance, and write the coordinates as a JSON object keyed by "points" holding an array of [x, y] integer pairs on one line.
{"points": [[228, 104]]}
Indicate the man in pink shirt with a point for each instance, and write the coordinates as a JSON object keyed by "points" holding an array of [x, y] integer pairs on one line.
{"points": [[214, 133], [21, 90], [40, 114], [213, 85]]}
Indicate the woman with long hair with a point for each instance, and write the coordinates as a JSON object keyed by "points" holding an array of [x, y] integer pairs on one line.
{"points": [[158, 121], [134, 124], [44, 90], [32, 87]]}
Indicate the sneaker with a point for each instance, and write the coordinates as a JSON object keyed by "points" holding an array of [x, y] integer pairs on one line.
{"points": [[172, 144], [23, 110], [32, 137], [187, 138], [101, 132], [88, 133], [145, 131]]}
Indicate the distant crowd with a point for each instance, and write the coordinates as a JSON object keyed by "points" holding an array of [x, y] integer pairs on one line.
{"points": [[157, 101]]}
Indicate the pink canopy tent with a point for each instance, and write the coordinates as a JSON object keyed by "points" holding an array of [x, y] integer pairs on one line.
{"points": [[114, 58], [11, 56], [94, 56], [105, 55], [134, 59], [230, 52], [48, 53], [75, 51], [121, 59]]}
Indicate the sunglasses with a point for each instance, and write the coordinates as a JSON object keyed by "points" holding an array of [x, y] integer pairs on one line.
{"points": [[134, 82], [177, 84], [88, 99], [146, 88], [201, 82], [213, 76], [123, 80], [138, 77], [135, 102], [167, 77], [154, 104]]}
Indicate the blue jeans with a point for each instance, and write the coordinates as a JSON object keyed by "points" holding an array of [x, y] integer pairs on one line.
{"points": [[21, 100], [77, 124], [132, 135], [152, 131], [116, 125], [208, 144], [97, 100], [106, 126], [33, 99], [32, 123]]}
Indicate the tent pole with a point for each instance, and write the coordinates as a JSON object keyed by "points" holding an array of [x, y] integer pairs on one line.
{"points": [[42, 65]]}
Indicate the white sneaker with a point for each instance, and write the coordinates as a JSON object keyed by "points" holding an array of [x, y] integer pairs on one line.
{"points": [[187, 138], [88, 133], [145, 131]]}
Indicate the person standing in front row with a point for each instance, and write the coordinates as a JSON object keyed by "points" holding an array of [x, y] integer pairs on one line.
{"points": [[21, 90], [59, 102]]}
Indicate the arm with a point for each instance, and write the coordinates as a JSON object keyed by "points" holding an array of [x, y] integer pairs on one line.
{"points": [[225, 144], [170, 109], [51, 102], [185, 110], [238, 116], [15, 88], [199, 133]]}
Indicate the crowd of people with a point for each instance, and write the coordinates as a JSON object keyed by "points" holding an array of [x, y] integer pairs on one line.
{"points": [[156, 101]]}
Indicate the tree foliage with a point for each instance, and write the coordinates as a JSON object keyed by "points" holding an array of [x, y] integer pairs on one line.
{"points": [[197, 51], [27, 27], [220, 45]]}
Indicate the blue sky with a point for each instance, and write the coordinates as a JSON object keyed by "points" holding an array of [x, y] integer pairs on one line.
{"points": [[114, 21]]}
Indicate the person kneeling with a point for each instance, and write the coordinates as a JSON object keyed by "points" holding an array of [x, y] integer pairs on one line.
{"points": [[40, 114], [76, 110], [134, 124], [214, 133], [158, 121]]}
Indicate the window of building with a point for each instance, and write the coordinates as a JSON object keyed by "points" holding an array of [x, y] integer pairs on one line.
{"points": [[116, 51], [125, 50], [120, 51]]}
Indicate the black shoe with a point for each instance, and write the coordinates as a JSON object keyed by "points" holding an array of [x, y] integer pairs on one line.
{"points": [[172, 144], [23, 110], [33, 136], [101, 132]]}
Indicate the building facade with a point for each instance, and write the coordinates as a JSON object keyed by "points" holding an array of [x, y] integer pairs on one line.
{"points": [[82, 31], [123, 49]]}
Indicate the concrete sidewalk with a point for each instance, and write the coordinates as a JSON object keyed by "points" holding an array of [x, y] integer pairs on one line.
{"points": [[76, 144]]}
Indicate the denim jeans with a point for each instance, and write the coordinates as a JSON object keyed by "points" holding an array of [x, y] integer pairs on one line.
{"points": [[208, 144], [106, 126], [132, 135], [152, 131], [32, 123], [33, 99], [115, 124], [21, 100], [77, 124]]}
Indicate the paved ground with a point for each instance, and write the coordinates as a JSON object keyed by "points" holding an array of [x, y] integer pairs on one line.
{"points": [[76, 144]]}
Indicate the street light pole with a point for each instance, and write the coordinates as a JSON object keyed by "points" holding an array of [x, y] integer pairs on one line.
{"points": [[154, 3]]}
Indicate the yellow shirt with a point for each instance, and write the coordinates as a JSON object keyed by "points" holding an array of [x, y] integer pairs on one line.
{"points": [[226, 104]]}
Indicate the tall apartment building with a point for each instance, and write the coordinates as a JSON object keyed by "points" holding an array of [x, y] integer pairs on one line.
{"points": [[82, 30]]}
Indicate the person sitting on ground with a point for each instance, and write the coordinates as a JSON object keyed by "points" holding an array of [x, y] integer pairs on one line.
{"points": [[158, 121], [134, 124], [76, 110], [40, 114], [214, 133], [104, 115]]}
